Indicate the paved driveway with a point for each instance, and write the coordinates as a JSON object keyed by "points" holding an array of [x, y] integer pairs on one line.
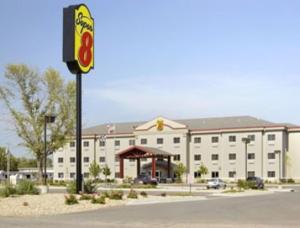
{"points": [[274, 210]]}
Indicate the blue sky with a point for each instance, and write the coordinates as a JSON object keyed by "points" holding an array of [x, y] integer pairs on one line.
{"points": [[178, 59]]}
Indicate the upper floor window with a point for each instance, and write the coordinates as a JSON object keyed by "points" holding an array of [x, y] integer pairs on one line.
{"points": [[232, 156], [143, 141], [271, 155], [251, 137], [86, 159], [214, 157], [72, 144], [159, 140], [86, 144], [197, 157], [117, 142], [251, 156], [232, 138], [60, 160], [72, 159], [117, 158], [102, 143], [131, 142], [271, 137], [176, 140], [215, 139], [177, 157], [197, 140]]}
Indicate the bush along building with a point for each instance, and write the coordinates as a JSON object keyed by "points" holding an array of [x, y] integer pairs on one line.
{"points": [[230, 148]]}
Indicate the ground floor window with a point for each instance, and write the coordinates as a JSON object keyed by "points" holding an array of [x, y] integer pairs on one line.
{"points": [[102, 159], [86, 175], [251, 174], [60, 175], [215, 174], [117, 174], [72, 175], [271, 173], [176, 157], [232, 174], [197, 174]]}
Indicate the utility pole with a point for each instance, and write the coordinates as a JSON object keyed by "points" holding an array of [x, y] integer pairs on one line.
{"points": [[8, 165]]}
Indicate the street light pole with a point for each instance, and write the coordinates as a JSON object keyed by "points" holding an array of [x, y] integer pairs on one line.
{"points": [[246, 141], [279, 155], [8, 165]]}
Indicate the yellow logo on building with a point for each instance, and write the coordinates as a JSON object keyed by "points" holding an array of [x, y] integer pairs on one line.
{"points": [[159, 125]]}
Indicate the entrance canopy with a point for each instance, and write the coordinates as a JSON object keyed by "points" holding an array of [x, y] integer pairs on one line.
{"points": [[138, 152], [143, 152]]}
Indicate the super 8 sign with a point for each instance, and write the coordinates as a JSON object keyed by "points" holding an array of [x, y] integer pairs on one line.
{"points": [[78, 39]]}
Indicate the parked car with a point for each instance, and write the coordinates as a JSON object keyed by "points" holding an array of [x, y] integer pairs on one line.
{"points": [[256, 182], [215, 183], [145, 179]]}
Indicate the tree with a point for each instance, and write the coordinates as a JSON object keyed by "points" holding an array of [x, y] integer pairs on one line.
{"points": [[203, 170], [13, 161], [180, 169], [106, 172], [28, 97], [94, 169]]}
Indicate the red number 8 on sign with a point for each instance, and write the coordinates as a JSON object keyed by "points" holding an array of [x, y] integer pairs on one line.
{"points": [[85, 50]]}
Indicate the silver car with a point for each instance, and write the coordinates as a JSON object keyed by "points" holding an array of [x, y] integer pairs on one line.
{"points": [[215, 183]]}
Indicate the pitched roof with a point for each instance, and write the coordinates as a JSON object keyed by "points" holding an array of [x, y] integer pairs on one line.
{"points": [[144, 149], [192, 124]]}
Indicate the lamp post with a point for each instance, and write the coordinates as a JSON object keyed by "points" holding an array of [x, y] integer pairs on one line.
{"points": [[246, 141], [48, 119], [8, 165], [279, 155]]}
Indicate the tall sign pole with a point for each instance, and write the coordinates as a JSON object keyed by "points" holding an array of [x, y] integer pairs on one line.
{"points": [[78, 54]]}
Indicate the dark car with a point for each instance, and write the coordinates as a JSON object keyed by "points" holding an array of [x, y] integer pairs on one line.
{"points": [[145, 179], [256, 182]]}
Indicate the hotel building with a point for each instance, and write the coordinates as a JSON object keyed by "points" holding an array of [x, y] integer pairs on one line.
{"points": [[230, 147]]}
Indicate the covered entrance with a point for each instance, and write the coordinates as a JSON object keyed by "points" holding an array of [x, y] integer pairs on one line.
{"points": [[139, 152]]}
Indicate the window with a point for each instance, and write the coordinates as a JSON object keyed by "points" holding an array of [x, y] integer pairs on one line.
{"points": [[232, 156], [86, 159], [176, 140], [117, 158], [271, 173], [117, 174], [60, 160], [117, 142], [231, 174], [214, 157], [271, 137], [86, 175], [159, 140], [215, 174], [102, 159], [143, 141], [72, 175], [60, 175], [232, 138], [197, 157], [197, 174], [131, 160], [197, 140], [131, 142], [251, 156], [102, 143], [177, 157], [72, 160], [271, 155], [251, 137], [72, 144], [215, 139], [86, 144], [251, 174]]}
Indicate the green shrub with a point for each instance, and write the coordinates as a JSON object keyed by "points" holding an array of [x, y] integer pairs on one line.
{"points": [[7, 190], [144, 194], [71, 187], [116, 195], [127, 180], [99, 200], [26, 187], [290, 181], [71, 199], [85, 197], [124, 185], [105, 194], [90, 187], [163, 194], [132, 194]]}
